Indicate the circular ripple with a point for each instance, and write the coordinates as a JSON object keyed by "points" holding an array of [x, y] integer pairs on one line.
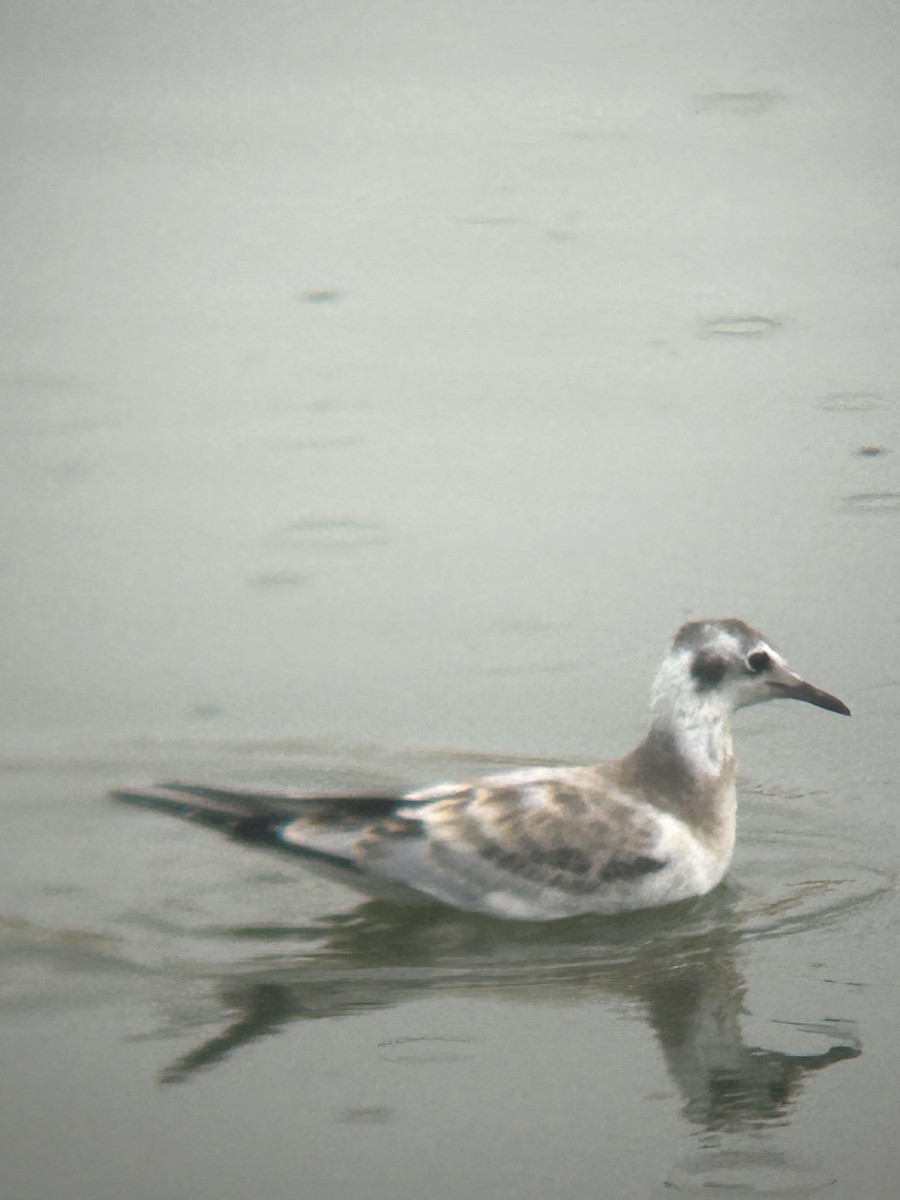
{"points": [[746, 1173], [784, 870]]}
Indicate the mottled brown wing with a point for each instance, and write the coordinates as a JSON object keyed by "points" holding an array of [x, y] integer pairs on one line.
{"points": [[516, 839]]}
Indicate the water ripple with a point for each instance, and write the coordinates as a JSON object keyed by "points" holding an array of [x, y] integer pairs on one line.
{"points": [[748, 325], [739, 104], [852, 402], [873, 502]]}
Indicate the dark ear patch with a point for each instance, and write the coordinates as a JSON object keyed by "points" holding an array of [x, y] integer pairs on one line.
{"points": [[708, 670]]}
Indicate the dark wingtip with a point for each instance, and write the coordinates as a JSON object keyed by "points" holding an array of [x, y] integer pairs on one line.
{"points": [[126, 796]]}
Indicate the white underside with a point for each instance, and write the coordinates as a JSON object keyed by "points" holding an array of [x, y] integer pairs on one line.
{"points": [[691, 871]]}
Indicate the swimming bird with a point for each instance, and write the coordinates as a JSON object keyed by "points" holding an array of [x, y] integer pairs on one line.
{"points": [[536, 844]]}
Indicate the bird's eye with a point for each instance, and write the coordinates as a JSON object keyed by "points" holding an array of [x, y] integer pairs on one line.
{"points": [[758, 661]]}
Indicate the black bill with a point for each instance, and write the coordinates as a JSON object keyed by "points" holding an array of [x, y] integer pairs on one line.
{"points": [[801, 690]]}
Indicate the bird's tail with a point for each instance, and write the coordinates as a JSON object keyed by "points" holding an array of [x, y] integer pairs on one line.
{"points": [[258, 816]]}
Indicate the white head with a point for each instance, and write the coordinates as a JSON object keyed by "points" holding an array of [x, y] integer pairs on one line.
{"points": [[715, 667]]}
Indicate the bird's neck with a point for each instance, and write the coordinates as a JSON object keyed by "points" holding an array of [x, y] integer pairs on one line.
{"points": [[694, 726], [699, 736], [685, 766]]}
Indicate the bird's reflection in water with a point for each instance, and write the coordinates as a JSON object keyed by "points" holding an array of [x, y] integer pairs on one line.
{"points": [[679, 965]]}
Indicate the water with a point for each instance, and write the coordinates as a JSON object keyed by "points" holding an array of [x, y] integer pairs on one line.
{"points": [[380, 387]]}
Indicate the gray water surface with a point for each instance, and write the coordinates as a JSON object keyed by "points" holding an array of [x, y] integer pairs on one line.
{"points": [[380, 387]]}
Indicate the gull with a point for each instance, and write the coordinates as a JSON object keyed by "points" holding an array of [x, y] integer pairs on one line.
{"points": [[537, 844]]}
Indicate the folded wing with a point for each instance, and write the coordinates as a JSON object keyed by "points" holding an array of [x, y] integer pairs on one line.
{"points": [[526, 844]]}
